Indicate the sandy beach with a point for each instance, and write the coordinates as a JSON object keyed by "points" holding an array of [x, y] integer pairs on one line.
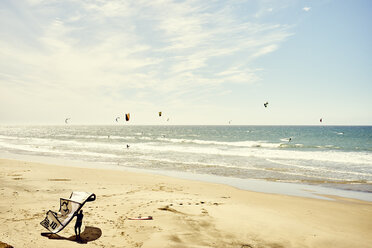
{"points": [[185, 213]]}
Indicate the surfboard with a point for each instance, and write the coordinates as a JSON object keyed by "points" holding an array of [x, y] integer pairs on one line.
{"points": [[141, 218]]}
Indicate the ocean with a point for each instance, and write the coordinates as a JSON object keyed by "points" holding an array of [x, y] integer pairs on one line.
{"points": [[329, 156]]}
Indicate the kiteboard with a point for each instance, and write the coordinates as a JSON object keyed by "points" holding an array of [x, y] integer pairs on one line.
{"points": [[54, 222], [141, 218]]}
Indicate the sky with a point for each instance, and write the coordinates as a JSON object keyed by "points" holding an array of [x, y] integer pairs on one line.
{"points": [[199, 62]]}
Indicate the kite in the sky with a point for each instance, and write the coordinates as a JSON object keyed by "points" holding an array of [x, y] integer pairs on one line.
{"points": [[117, 119], [127, 116], [265, 104], [321, 120], [160, 113], [55, 222], [66, 120]]}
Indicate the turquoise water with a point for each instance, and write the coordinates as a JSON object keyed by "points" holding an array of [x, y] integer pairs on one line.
{"points": [[333, 156]]}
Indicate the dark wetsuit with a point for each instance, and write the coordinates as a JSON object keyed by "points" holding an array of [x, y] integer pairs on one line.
{"points": [[79, 222]]}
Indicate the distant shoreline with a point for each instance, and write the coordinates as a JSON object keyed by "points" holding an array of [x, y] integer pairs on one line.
{"points": [[192, 125]]}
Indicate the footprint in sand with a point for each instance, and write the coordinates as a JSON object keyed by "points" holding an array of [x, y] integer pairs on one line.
{"points": [[204, 211]]}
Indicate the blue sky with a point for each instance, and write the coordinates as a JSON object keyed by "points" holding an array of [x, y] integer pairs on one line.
{"points": [[199, 62]]}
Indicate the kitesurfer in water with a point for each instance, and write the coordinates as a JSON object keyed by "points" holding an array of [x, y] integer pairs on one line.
{"points": [[79, 222]]}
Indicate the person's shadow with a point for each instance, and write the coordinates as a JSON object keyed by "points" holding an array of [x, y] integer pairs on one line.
{"points": [[89, 234]]}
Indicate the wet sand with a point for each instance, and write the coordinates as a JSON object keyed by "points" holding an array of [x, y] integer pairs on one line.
{"points": [[185, 213]]}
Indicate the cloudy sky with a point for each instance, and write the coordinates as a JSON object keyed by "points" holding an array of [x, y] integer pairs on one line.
{"points": [[199, 62]]}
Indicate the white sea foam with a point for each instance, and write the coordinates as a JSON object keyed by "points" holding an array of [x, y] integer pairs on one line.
{"points": [[243, 149], [242, 154], [327, 156], [52, 150], [320, 168], [221, 143]]}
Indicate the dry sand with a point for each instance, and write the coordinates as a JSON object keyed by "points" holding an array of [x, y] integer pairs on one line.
{"points": [[185, 213]]}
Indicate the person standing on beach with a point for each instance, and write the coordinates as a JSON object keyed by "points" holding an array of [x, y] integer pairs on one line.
{"points": [[79, 222]]}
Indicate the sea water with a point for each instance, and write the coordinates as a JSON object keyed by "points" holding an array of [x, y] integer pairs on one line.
{"points": [[331, 156]]}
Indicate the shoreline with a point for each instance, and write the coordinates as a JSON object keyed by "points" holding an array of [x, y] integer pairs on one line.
{"points": [[185, 213], [255, 185]]}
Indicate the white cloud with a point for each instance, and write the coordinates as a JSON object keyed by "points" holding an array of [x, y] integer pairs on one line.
{"points": [[265, 50], [114, 51], [306, 9]]}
